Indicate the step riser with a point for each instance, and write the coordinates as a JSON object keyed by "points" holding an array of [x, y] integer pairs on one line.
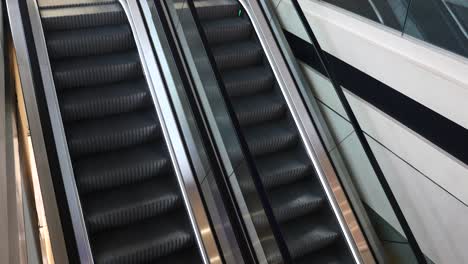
{"points": [[89, 45], [217, 12], [98, 75], [99, 107], [217, 34], [81, 146]]}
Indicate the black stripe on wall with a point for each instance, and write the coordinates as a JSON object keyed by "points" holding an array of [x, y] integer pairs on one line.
{"points": [[436, 128]]}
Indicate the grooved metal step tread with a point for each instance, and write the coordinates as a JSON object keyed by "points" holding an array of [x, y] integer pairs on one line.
{"points": [[237, 55], [321, 258], [97, 70], [297, 200], [216, 9], [248, 81], [56, 19], [189, 255], [144, 242], [112, 133], [130, 204], [289, 203], [303, 239], [90, 41], [105, 100], [259, 108], [74, 3], [127, 166], [270, 138], [280, 169], [225, 30]]}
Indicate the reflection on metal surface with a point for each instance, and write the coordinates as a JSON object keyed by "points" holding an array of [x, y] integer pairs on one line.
{"points": [[309, 135], [182, 167], [218, 120], [189, 129], [43, 171], [31, 180], [58, 131], [13, 239], [350, 219]]}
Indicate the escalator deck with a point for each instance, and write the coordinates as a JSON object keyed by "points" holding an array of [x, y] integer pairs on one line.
{"points": [[131, 201], [307, 223]]}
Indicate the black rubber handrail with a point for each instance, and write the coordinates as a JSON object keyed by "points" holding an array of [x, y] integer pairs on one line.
{"points": [[275, 227], [328, 69]]}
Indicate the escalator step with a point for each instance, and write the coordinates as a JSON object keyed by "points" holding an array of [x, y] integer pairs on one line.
{"points": [[126, 166], [272, 254], [56, 19], [290, 203], [279, 169], [112, 133], [297, 200], [209, 10], [145, 241], [226, 30], [123, 206], [321, 258], [303, 237], [248, 81], [258, 109], [90, 41], [98, 102], [190, 255], [239, 55], [270, 138], [97, 70], [61, 4]]}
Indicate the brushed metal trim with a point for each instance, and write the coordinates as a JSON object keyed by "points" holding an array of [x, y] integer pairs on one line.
{"points": [[4, 249], [13, 236], [182, 168], [61, 145], [223, 132], [37, 138], [203, 170]]}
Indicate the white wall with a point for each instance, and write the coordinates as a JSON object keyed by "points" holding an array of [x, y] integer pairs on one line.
{"points": [[431, 76]]}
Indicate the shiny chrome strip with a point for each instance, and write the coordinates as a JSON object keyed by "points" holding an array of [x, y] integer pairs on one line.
{"points": [[15, 189], [223, 133], [71, 191], [189, 189], [4, 248], [308, 133], [12, 236], [37, 138], [219, 217]]}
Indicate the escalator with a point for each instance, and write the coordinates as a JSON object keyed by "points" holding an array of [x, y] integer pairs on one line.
{"points": [[307, 223], [131, 200]]}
